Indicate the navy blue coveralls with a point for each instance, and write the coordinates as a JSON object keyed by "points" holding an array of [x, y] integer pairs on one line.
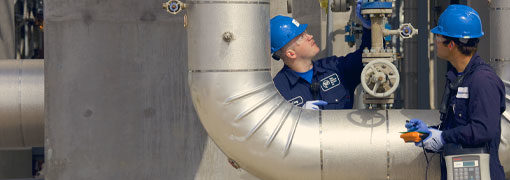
{"points": [[474, 112], [336, 77]]}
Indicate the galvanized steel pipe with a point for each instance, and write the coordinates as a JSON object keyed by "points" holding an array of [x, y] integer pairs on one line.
{"points": [[22, 103], [242, 111], [499, 34], [500, 61]]}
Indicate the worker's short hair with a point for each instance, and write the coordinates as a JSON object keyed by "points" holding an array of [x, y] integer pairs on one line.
{"points": [[465, 46], [280, 54]]}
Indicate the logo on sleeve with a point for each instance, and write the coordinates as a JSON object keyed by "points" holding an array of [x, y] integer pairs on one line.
{"points": [[297, 100], [330, 82]]}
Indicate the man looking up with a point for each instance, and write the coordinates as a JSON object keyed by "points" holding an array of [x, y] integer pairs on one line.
{"points": [[327, 83]]}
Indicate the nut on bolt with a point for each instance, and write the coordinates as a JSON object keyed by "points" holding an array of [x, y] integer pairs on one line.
{"points": [[228, 36]]}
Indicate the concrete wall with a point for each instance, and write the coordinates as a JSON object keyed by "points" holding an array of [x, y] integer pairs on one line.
{"points": [[117, 99], [6, 29]]}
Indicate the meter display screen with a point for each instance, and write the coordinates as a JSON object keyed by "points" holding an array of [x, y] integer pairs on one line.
{"points": [[459, 164], [468, 163]]}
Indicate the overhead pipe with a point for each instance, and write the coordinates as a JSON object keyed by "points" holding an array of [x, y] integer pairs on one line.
{"points": [[21, 103], [242, 111]]}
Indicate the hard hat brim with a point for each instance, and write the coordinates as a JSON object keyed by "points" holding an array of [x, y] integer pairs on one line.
{"points": [[438, 30]]}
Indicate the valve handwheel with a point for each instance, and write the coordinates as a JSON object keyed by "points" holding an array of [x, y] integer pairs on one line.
{"points": [[380, 78]]}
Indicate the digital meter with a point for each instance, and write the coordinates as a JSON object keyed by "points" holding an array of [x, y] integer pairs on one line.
{"points": [[466, 163]]}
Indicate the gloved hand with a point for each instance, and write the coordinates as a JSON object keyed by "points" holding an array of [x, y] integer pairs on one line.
{"points": [[314, 104], [434, 142], [366, 22], [417, 125]]}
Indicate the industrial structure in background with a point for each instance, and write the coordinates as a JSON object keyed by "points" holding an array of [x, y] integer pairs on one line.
{"points": [[29, 28], [124, 83]]}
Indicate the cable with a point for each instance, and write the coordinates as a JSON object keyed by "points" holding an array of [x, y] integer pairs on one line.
{"points": [[428, 162]]}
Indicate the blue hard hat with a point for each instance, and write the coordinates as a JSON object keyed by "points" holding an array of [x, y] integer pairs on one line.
{"points": [[459, 21], [283, 30]]}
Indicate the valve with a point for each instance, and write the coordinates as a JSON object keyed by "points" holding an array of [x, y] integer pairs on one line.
{"points": [[380, 78], [174, 6], [340, 6], [352, 31], [407, 31]]}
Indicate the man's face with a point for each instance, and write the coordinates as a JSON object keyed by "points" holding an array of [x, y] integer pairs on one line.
{"points": [[442, 50], [304, 46]]}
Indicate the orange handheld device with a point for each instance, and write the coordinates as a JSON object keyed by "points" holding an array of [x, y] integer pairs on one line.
{"points": [[414, 136]]}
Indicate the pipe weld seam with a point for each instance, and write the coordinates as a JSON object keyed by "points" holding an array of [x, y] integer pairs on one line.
{"points": [[500, 8], [499, 59], [228, 2], [320, 145], [230, 70]]}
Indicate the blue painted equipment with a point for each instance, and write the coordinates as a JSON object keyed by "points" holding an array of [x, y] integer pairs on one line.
{"points": [[376, 5]]}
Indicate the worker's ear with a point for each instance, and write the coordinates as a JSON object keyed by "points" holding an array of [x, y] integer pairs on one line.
{"points": [[451, 45], [290, 54]]}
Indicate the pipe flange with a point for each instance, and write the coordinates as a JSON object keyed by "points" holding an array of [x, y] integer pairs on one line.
{"points": [[380, 78], [340, 6]]}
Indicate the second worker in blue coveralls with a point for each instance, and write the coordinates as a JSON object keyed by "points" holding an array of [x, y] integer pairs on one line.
{"points": [[474, 96], [327, 83]]}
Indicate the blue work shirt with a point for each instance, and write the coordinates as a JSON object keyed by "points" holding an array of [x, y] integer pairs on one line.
{"points": [[336, 79], [474, 112]]}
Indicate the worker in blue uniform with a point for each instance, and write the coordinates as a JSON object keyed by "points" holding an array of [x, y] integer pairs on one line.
{"points": [[474, 97], [327, 83]]}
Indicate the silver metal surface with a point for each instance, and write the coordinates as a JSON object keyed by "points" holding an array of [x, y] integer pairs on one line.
{"points": [[22, 103], [247, 22], [252, 124], [502, 68], [499, 26], [365, 144]]}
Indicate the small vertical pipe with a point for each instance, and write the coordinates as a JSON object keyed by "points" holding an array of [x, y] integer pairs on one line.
{"points": [[432, 64], [423, 56], [377, 36], [329, 29], [25, 38]]}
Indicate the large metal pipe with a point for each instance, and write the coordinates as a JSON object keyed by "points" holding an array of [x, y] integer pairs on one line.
{"points": [[235, 98], [500, 61], [499, 26], [21, 103]]}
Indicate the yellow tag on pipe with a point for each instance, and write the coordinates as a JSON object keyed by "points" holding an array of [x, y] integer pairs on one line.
{"points": [[324, 5]]}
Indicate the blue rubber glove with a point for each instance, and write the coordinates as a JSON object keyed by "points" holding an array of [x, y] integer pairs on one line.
{"points": [[434, 142], [417, 125], [366, 22], [314, 104]]}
